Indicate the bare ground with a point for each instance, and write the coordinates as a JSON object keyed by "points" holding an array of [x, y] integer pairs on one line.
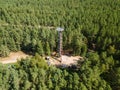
{"points": [[65, 60], [13, 57]]}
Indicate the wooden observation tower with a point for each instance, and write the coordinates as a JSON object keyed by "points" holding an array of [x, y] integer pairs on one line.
{"points": [[60, 41]]}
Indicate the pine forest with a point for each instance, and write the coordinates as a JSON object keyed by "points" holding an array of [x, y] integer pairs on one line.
{"points": [[91, 30]]}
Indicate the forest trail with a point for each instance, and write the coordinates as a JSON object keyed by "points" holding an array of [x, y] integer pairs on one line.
{"points": [[31, 26], [13, 57]]}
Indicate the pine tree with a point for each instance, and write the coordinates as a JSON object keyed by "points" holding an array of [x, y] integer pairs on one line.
{"points": [[39, 48], [47, 49], [4, 51]]}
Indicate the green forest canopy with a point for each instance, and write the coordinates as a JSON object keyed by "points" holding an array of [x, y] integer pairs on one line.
{"points": [[90, 25]]}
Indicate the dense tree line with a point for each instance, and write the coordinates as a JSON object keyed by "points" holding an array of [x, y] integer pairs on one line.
{"points": [[90, 25]]}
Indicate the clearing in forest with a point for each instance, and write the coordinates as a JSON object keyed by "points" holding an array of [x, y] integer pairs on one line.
{"points": [[66, 60]]}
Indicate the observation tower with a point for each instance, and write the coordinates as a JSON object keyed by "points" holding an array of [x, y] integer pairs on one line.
{"points": [[60, 30]]}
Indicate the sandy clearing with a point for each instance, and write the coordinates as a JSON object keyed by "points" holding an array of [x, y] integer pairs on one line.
{"points": [[13, 57], [66, 60]]}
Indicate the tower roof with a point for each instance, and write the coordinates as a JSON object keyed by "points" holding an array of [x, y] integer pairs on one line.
{"points": [[59, 29]]}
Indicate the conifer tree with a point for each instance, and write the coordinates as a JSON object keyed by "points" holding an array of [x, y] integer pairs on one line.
{"points": [[47, 48], [39, 48]]}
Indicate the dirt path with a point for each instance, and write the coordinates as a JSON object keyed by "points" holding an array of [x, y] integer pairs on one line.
{"points": [[13, 57], [20, 25]]}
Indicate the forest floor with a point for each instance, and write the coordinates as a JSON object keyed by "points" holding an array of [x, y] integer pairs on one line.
{"points": [[13, 57]]}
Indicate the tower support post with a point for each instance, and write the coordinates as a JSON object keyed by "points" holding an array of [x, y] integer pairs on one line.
{"points": [[60, 43]]}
